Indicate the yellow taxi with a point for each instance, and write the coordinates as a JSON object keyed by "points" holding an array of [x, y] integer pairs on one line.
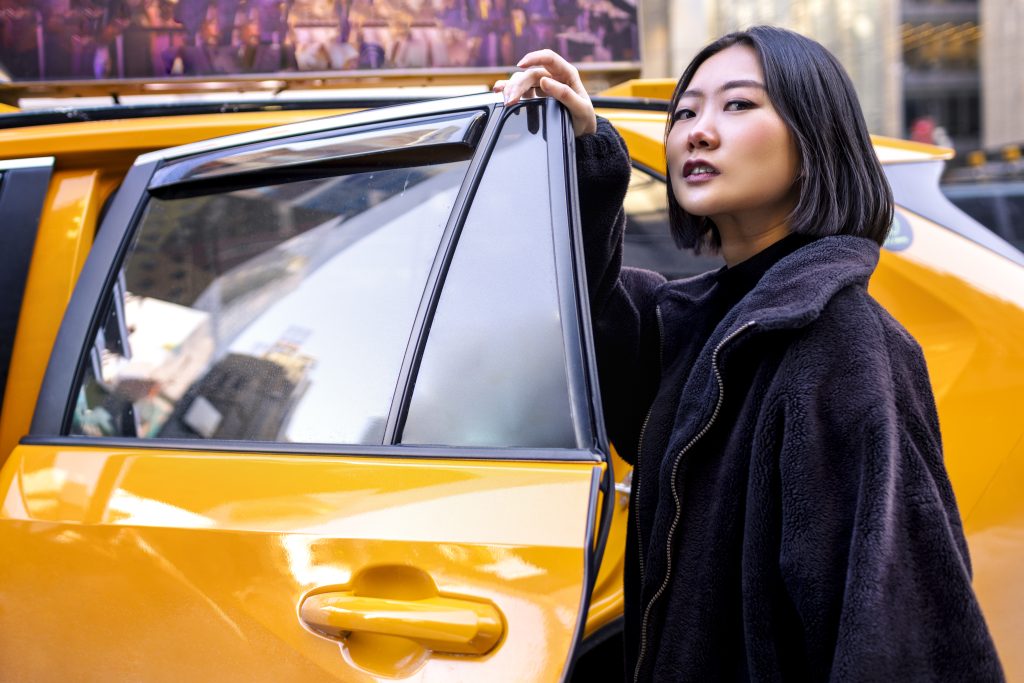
{"points": [[281, 405]]}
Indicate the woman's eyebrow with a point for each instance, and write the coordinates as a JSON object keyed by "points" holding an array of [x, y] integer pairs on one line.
{"points": [[729, 85]]}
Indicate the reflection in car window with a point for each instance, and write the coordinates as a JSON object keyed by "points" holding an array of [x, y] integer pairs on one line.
{"points": [[999, 206], [648, 243], [493, 371], [277, 313]]}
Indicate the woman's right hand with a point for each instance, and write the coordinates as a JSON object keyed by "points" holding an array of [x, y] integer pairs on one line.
{"points": [[554, 76]]}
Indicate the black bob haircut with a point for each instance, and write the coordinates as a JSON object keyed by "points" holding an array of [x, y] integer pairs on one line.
{"points": [[842, 189]]}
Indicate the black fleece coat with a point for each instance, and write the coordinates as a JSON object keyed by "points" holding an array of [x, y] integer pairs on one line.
{"points": [[792, 519]]}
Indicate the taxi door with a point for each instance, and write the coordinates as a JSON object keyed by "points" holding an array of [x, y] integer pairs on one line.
{"points": [[322, 408]]}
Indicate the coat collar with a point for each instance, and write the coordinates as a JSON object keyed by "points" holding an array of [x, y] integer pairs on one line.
{"points": [[794, 291], [791, 294]]}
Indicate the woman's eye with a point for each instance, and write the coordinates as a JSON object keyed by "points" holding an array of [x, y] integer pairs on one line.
{"points": [[738, 105], [683, 114]]}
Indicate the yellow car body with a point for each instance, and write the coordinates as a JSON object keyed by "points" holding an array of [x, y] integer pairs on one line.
{"points": [[150, 561]]}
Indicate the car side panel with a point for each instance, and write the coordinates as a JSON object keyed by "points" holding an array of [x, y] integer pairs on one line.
{"points": [[150, 565], [967, 312]]}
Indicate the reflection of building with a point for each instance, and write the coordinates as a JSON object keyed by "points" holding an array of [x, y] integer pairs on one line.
{"points": [[242, 397]]}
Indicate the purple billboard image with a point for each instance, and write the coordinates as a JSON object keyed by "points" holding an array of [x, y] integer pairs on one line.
{"points": [[50, 40]]}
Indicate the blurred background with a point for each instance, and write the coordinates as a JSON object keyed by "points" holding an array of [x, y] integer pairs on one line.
{"points": [[948, 72]]}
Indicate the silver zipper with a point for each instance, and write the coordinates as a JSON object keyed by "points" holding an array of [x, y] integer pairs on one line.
{"points": [[640, 445], [675, 494]]}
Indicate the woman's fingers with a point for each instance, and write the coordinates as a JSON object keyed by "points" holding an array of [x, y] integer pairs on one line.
{"points": [[555, 63], [519, 83], [584, 120], [556, 77]]}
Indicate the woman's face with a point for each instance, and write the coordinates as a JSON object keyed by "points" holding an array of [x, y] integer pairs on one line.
{"points": [[731, 156]]}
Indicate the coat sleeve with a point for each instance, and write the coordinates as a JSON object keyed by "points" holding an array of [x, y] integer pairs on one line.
{"points": [[621, 299], [872, 552]]}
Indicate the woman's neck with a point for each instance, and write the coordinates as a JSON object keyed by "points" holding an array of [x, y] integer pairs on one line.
{"points": [[739, 245]]}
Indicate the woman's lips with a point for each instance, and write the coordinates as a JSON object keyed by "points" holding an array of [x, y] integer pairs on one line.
{"points": [[698, 171]]}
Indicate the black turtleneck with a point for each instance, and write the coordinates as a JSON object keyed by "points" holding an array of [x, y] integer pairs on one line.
{"points": [[735, 282]]}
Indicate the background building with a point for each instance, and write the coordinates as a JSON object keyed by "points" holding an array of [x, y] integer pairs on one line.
{"points": [[942, 72], [948, 71], [1002, 72], [864, 35]]}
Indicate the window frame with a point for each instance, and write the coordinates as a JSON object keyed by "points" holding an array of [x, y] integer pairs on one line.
{"points": [[70, 356], [24, 184]]}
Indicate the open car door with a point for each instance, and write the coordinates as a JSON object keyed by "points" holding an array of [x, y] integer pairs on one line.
{"points": [[321, 408]]}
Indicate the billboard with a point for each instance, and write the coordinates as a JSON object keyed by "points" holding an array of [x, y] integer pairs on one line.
{"points": [[59, 40]]}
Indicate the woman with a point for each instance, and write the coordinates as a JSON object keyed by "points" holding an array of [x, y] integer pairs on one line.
{"points": [[792, 518]]}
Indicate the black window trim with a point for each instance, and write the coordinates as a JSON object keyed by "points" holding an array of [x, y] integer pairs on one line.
{"points": [[407, 373], [332, 124], [172, 179], [570, 276], [70, 352], [24, 184], [52, 417]]}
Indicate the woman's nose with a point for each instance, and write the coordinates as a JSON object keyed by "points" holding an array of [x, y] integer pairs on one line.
{"points": [[702, 135]]}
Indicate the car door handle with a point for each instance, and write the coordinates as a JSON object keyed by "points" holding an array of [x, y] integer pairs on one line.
{"points": [[441, 624]]}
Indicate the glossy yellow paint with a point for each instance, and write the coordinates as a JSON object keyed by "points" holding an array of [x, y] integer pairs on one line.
{"points": [[606, 601], [997, 554], [650, 88], [440, 624], [118, 142], [967, 312], [64, 237], [193, 566]]}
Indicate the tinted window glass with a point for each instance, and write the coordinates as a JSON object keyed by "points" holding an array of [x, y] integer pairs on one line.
{"points": [[915, 187], [1015, 218], [984, 209], [277, 313], [493, 372], [648, 243], [998, 206]]}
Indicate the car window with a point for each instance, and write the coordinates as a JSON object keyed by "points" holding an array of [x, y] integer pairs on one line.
{"points": [[271, 313], [648, 242], [493, 371], [1015, 218], [915, 187], [999, 206]]}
